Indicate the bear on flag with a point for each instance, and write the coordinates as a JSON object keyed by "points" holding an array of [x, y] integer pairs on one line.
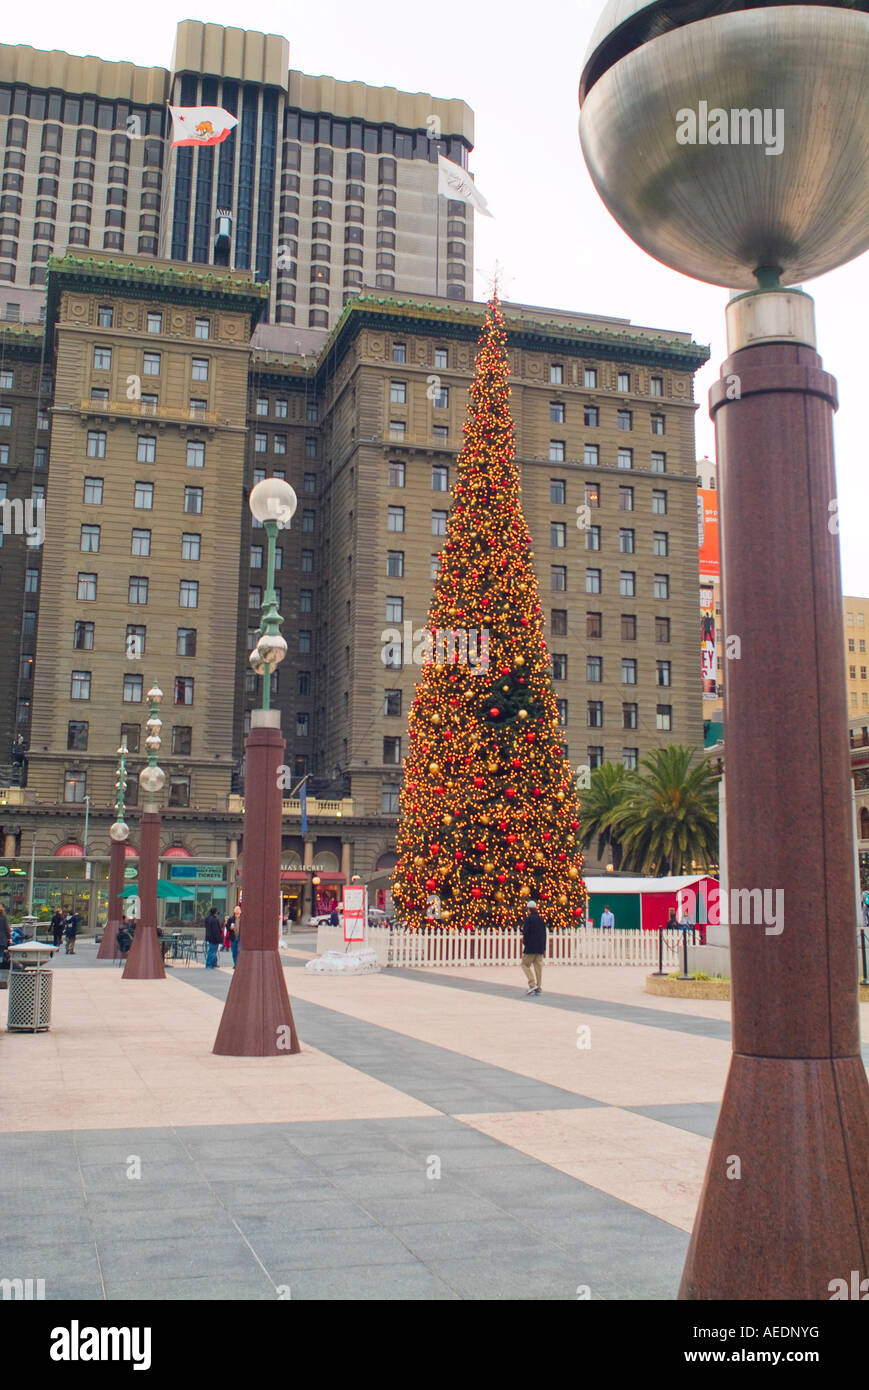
{"points": [[201, 125]]}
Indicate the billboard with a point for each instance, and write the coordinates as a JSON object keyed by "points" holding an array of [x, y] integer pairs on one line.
{"points": [[707, 529], [708, 652]]}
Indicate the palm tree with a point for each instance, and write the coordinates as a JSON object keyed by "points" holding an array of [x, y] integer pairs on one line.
{"points": [[668, 818], [605, 796]]}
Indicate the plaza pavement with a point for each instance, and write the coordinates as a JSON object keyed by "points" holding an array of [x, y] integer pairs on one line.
{"points": [[441, 1136]]}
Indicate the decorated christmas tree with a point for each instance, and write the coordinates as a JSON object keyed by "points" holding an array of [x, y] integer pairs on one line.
{"points": [[489, 812]]}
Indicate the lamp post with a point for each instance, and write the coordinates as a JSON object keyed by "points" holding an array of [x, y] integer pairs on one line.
{"points": [[119, 833], [145, 959], [743, 211], [257, 1019]]}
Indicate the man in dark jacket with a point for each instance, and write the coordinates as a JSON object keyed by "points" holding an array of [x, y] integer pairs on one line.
{"points": [[5, 939], [213, 938], [57, 928], [533, 948]]}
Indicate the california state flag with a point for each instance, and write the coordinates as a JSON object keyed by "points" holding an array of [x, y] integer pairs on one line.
{"points": [[201, 125]]}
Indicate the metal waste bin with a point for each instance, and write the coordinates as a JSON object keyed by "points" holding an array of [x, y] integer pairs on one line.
{"points": [[30, 988]]}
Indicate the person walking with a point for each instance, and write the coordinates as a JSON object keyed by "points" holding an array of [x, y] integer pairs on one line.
{"points": [[213, 938], [71, 932], [234, 930], [57, 928], [5, 939], [607, 920], [533, 948]]}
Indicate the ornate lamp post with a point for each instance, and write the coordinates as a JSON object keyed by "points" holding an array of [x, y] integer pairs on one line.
{"points": [[257, 1018], [145, 960], [119, 833], [711, 184]]}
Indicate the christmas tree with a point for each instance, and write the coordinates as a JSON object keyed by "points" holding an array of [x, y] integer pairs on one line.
{"points": [[489, 813]]}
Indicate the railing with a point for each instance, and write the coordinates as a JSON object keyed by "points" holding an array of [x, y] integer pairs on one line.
{"points": [[293, 808], [435, 947], [146, 411]]}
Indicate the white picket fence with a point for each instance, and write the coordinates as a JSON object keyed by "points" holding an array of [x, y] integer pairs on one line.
{"points": [[395, 946]]}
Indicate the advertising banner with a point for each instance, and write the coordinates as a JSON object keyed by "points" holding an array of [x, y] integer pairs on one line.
{"points": [[708, 652], [707, 529], [354, 914]]}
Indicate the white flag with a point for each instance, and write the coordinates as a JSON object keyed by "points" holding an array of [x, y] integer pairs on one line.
{"points": [[201, 125], [455, 182]]}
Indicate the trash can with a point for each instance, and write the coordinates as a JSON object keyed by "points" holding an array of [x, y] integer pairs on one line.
{"points": [[30, 988]]}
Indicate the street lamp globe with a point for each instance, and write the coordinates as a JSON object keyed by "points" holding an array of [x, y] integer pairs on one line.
{"points": [[273, 500], [119, 831], [272, 649], [729, 141], [152, 779]]}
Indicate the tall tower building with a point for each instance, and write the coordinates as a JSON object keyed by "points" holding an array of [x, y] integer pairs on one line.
{"points": [[322, 186]]}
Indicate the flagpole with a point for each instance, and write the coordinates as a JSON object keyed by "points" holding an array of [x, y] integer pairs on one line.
{"points": [[438, 250]]}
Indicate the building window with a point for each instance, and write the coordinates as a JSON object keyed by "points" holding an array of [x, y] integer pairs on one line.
{"points": [[558, 622], [630, 715], [399, 352], [151, 364], [394, 609], [398, 392], [627, 583], [185, 642], [96, 444], [304, 642], [306, 600], [182, 740], [74, 786], [629, 627], [591, 455], [629, 670], [592, 495], [395, 564], [557, 535], [309, 518], [626, 541], [137, 589], [594, 668], [389, 798], [589, 379], [659, 424], [105, 312], [133, 690], [134, 644], [661, 586], [31, 581], [184, 690], [147, 450], [556, 412], [664, 717], [190, 547], [624, 419], [140, 543], [439, 523], [663, 669], [594, 625], [630, 758], [556, 374], [660, 543], [659, 502], [202, 328], [557, 491], [623, 382], [396, 473], [626, 499], [656, 386], [440, 478], [102, 359], [594, 714], [592, 538], [80, 685], [395, 519], [77, 736], [556, 450], [143, 496], [659, 463], [83, 637], [90, 539], [625, 458], [155, 322], [256, 557], [86, 589], [558, 578], [662, 629], [255, 596], [559, 666], [593, 581], [397, 429], [199, 369], [260, 443], [193, 500], [307, 562], [195, 454]]}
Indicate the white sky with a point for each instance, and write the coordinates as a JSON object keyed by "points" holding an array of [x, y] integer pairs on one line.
{"points": [[557, 242]]}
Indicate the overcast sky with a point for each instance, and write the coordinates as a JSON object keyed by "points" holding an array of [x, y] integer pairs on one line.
{"points": [[518, 68]]}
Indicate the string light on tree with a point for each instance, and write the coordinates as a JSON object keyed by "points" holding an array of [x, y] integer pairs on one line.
{"points": [[489, 814]]}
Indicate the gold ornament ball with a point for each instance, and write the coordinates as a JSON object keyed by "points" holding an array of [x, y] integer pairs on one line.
{"points": [[506, 689], [573, 873], [488, 867], [485, 820], [523, 714], [447, 820], [499, 896], [562, 901], [524, 890], [469, 694], [446, 914], [418, 859], [434, 769], [520, 661], [559, 796], [436, 719], [492, 767]]}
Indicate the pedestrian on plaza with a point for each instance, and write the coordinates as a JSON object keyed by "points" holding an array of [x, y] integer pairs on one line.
{"points": [[71, 932], [57, 928], [533, 948], [5, 939], [124, 938], [213, 938], [333, 917], [234, 937], [607, 920]]}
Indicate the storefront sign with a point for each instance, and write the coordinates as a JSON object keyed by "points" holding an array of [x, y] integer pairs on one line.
{"points": [[204, 873], [131, 871]]}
